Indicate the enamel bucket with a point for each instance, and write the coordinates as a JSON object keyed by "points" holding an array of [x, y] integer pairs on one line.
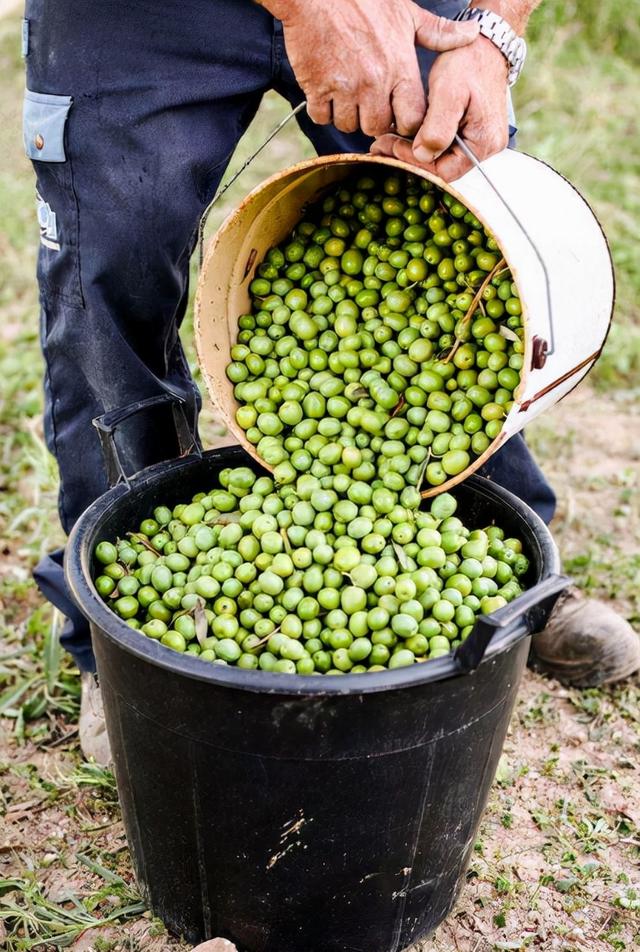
{"points": [[548, 234]]}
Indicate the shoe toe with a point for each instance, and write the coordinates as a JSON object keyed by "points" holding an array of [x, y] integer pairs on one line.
{"points": [[586, 643]]}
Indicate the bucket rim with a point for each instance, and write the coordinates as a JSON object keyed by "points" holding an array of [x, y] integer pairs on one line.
{"points": [[77, 566]]}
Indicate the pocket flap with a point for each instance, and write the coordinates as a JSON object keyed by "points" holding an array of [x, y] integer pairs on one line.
{"points": [[44, 119]]}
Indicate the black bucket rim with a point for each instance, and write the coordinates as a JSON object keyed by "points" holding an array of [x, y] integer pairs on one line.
{"points": [[77, 567]]}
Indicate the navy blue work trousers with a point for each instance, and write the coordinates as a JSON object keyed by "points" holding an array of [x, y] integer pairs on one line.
{"points": [[132, 112]]}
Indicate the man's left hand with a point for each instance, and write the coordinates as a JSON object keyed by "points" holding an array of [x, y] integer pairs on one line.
{"points": [[468, 96]]}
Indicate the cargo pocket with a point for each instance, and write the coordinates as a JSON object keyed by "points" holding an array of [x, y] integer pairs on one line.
{"points": [[45, 119]]}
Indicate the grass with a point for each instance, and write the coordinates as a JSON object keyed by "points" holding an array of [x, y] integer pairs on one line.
{"points": [[39, 921], [555, 865], [575, 110]]}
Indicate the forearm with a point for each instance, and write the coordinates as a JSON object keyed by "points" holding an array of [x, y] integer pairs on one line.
{"points": [[515, 12]]}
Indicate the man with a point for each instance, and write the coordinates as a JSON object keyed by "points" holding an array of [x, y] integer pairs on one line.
{"points": [[131, 116]]}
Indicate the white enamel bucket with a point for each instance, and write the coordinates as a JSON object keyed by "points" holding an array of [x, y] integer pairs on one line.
{"points": [[561, 265]]}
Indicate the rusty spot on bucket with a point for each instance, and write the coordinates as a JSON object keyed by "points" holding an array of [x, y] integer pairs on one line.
{"points": [[524, 406], [250, 262], [539, 353]]}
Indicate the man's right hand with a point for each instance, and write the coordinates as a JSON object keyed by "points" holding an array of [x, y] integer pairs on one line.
{"points": [[356, 60]]}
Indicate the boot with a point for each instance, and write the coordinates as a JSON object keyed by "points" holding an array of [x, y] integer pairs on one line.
{"points": [[94, 742], [586, 643]]}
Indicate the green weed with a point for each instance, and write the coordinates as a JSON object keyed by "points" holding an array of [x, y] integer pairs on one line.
{"points": [[32, 921]]}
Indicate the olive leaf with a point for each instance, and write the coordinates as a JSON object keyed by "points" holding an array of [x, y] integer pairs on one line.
{"points": [[200, 619], [142, 539], [508, 333], [423, 470], [398, 407], [227, 518], [403, 559]]}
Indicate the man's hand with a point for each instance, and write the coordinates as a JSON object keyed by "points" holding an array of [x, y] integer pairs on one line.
{"points": [[468, 96], [356, 60]]}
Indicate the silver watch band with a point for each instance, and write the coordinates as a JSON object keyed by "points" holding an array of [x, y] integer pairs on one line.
{"points": [[503, 36]]}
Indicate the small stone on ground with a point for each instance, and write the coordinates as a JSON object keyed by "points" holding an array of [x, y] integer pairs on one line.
{"points": [[215, 945]]}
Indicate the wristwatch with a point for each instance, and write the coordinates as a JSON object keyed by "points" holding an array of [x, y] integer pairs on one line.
{"points": [[496, 29]]}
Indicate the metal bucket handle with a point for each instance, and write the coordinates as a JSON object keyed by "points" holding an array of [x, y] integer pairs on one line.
{"points": [[108, 423], [542, 347], [531, 609], [236, 175]]}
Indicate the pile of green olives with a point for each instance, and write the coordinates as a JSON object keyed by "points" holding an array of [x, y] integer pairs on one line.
{"points": [[324, 575], [385, 339]]}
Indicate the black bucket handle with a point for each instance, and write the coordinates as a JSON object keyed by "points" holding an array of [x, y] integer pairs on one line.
{"points": [[531, 609], [108, 423]]}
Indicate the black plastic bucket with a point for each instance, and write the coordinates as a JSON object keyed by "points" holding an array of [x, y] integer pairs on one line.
{"points": [[301, 814]]}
